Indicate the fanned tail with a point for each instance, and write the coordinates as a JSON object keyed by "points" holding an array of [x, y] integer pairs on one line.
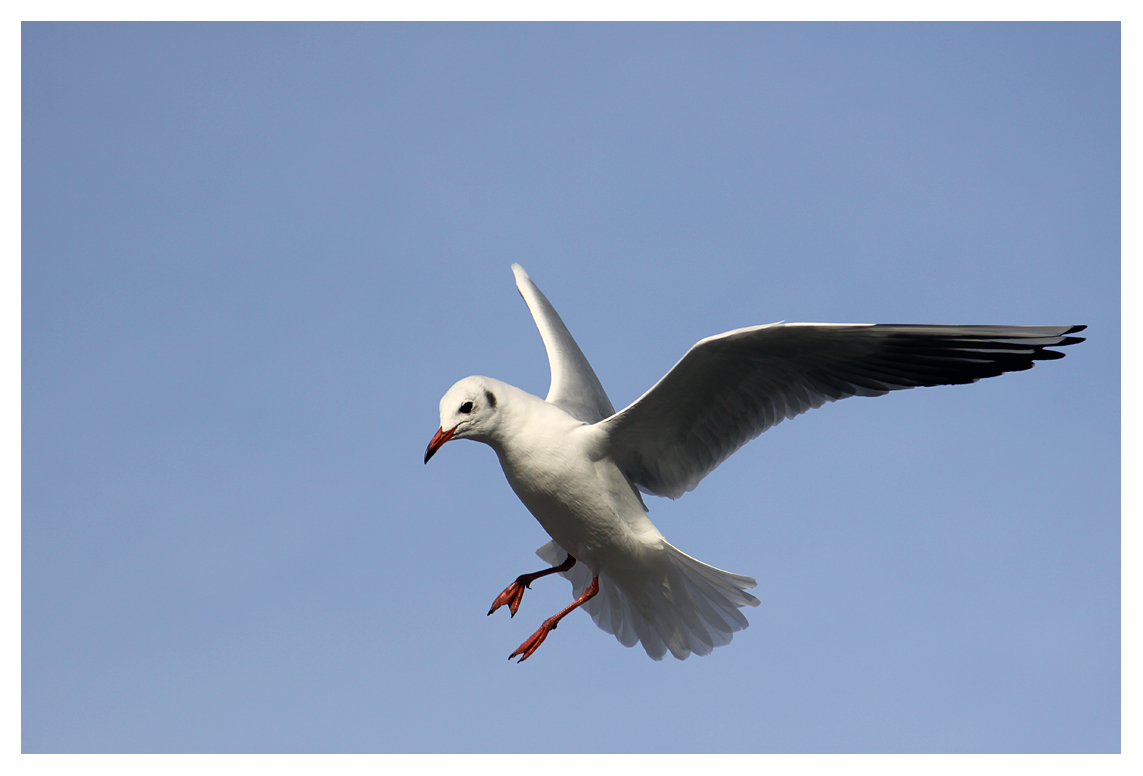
{"points": [[685, 607]]}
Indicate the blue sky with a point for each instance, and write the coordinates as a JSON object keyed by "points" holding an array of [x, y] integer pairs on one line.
{"points": [[255, 256]]}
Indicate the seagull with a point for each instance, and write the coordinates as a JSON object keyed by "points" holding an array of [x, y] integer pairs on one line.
{"points": [[580, 467]]}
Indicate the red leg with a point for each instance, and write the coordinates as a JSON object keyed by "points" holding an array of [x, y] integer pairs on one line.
{"points": [[514, 593], [532, 644]]}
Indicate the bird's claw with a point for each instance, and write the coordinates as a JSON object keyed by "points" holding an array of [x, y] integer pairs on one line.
{"points": [[512, 596], [534, 641]]}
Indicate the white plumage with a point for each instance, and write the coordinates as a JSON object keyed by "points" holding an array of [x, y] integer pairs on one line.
{"points": [[578, 466]]}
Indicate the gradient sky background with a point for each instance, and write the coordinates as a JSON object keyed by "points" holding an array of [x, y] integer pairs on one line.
{"points": [[255, 256]]}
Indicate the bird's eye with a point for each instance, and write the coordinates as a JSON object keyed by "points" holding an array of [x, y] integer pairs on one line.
{"points": [[466, 407]]}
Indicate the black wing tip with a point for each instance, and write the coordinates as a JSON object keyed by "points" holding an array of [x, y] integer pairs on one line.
{"points": [[1064, 342], [1072, 340], [968, 354]]}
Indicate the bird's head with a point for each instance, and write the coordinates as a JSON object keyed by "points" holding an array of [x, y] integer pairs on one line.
{"points": [[468, 411]]}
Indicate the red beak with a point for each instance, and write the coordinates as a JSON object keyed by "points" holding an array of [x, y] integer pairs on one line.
{"points": [[439, 439]]}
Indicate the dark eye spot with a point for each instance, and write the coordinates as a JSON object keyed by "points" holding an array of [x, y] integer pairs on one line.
{"points": [[466, 407]]}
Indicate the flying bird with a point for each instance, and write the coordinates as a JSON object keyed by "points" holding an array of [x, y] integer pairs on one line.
{"points": [[580, 467]]}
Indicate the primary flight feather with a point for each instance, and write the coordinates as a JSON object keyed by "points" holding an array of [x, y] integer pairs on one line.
{"points": [[579, 466]]}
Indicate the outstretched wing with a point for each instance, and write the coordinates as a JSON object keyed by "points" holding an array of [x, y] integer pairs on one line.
{"points": [[730, 388], [575, 389]]}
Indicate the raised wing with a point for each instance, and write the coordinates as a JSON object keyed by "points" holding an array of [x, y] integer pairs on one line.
{"points": [[575, 389], [730, 388]]}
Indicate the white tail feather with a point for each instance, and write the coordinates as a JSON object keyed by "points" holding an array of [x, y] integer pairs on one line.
{"points": [[688, 607]]}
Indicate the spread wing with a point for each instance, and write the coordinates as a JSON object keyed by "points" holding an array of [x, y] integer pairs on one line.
{"points": [[730, 388], [575, 389]]}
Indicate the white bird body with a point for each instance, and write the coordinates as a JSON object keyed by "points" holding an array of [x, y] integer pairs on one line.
{"points": [[558, 467], [578, 466]]}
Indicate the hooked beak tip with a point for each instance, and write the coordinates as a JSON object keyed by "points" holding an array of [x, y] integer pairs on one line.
{"points": [[438, 439]]}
